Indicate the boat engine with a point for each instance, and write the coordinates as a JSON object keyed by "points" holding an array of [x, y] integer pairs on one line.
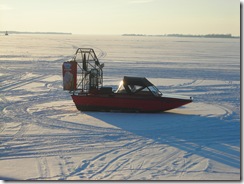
{"points": [[83, 73]]}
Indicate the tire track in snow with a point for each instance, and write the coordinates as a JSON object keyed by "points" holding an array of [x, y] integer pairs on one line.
{"points": [[103, 169], [227, 111], [5, 102], [80, 131], [43, 168], [23, 82], [189, 165], [165, 166], [16, 111], [126, 161], [187, 84], [6, 78], [65, 166], [194, 82], [2, 127], [13, 111], [86, 167]]}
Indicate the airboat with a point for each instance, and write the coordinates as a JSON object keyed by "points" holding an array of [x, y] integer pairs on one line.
{"points": [[83, 77]]}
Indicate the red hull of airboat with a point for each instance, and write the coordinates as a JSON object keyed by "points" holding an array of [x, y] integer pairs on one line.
{"points": [[126, 103]]}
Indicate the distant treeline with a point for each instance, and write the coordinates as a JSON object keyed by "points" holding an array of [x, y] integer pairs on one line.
{"points": [[188, 35], [24, 32]]}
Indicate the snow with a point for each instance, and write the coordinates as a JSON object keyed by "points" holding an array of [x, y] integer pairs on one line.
{"points": [[44, 137]]}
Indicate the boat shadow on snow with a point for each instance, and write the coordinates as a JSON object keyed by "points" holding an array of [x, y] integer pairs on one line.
{"points": [[208, 137]]}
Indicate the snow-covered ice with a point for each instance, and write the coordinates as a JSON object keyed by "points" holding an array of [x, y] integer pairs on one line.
{"points": [[44, 137]]}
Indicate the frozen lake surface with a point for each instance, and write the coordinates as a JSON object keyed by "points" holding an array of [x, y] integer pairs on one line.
{"points": [[44, 137]]}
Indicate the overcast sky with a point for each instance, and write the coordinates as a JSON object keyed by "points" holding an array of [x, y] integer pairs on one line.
{"points": [[122, 16]]}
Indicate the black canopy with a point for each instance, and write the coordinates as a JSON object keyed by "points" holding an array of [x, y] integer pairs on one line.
{"points": [[140, 81]]}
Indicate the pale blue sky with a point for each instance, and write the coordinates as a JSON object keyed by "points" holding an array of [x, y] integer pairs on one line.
{"points": [[122, 16]]}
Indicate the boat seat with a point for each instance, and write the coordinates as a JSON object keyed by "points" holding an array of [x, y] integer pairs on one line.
{"points": [[105, 90]]}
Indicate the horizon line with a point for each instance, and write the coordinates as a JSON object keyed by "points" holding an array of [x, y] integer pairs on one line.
{"points": [[123, 34]]}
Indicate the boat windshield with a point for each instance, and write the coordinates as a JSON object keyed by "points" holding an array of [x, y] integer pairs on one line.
{"points": [[155, 91], [137, 89], [121, 88]]}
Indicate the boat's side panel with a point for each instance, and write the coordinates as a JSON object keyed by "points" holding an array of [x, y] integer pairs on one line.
{"points": [[126, 103]]}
